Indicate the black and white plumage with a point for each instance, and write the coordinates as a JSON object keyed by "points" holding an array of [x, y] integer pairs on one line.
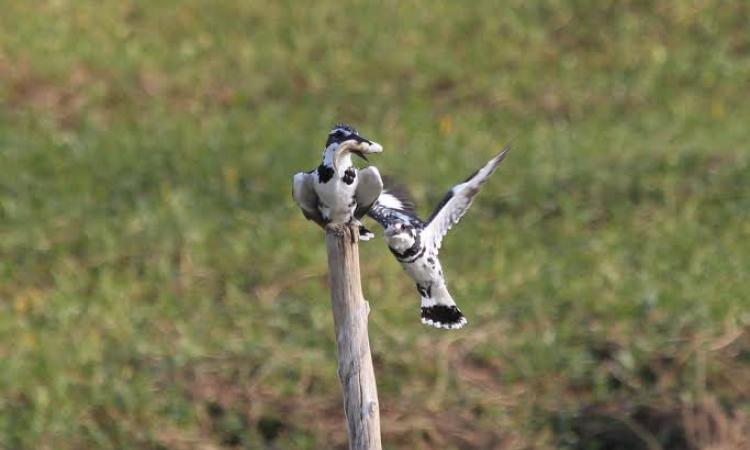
{"points": [[337, 192], [415, 243]]}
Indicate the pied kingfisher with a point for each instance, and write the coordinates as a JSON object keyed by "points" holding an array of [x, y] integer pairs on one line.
{"points": [[336, 192], [415, 243]]}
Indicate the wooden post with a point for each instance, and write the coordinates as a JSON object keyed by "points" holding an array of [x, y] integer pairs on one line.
{"points": [[350, 312]]}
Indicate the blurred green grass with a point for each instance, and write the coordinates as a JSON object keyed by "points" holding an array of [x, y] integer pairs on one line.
{"points": [[158, 288]]}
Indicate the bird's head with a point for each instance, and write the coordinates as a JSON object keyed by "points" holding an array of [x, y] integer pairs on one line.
{"points": [[400, 236], [344, 139]]}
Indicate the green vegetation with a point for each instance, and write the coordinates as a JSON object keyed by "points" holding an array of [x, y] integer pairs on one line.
{"points": [[159, 289]]}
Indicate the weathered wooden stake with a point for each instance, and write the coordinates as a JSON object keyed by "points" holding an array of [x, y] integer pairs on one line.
{"points": [[350, 312]]}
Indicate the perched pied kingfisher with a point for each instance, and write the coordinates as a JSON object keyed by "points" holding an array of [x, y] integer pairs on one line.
{"points": [[415, 243], [336, 192]]}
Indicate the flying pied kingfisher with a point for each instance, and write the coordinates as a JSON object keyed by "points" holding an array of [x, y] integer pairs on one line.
{"points": [[336, 192], [415, 243]]}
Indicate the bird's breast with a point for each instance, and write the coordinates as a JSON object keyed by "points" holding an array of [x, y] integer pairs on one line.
{"points": [[336, 199]]}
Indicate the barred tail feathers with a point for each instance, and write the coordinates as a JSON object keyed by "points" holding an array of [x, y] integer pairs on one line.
{"points": [[440, 311]]}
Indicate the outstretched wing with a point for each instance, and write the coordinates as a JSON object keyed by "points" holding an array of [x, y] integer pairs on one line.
{"points": [[394, 204], [457, 201], [304, 195], [369, 187]]}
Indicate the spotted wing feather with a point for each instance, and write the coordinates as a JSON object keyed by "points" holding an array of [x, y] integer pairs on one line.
{"points": [[394, 204], [396, 196], [458, 200]]}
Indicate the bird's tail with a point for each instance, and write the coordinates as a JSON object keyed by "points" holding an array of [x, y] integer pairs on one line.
{"points": [[440, 311]]}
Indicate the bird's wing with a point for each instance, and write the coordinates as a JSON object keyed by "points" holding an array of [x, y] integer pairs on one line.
{"points": [[457, 201], [396, 196], [369, 187], [394, 204], [304, 195]]}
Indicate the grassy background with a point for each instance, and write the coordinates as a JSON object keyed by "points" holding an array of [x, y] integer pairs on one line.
{"points": [[159, 289]]}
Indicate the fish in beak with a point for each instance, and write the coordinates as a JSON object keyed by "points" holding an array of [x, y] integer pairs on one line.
{"points": [[363, 146], [359, 146], [367, 148]]}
